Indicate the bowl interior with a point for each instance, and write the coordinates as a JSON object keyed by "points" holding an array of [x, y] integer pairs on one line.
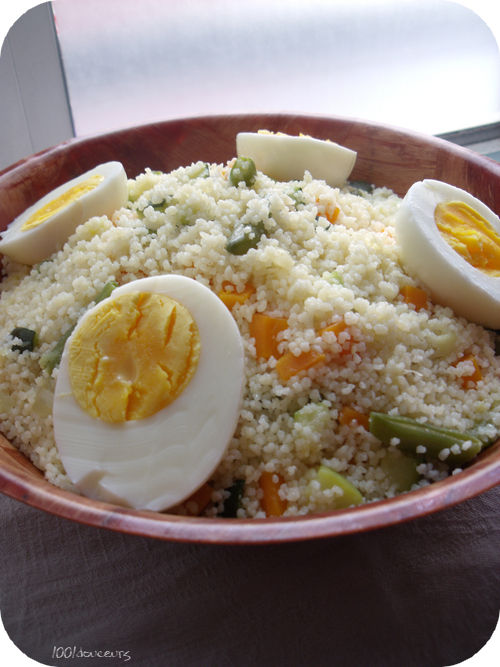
{"points": [[386, 156]]}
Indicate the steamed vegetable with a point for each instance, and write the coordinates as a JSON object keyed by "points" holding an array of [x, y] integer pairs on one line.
{"points": [[27, 337], [329, 478], [271, 502], [424, 439]]}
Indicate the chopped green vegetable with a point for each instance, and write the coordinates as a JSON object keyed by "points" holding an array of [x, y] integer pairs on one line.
{"points": [[161, 206], [106, 291], [315, 415], [443, 344], [51, 359], [329, 478], [28, 338], [245, 237], [400, 469], [202, 172], [333, 277], [360, 187], [424, 439], [298, 196], [243, 171], [233, 501]]}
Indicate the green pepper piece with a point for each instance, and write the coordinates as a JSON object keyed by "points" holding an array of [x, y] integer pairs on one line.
{"points": [[245, 237], [411, 434], [106, 291], [233, 501], [243, 171], [328, 478], [28, 338]]}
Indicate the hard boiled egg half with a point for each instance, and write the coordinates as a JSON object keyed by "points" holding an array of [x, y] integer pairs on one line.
{"points": [[285, 157], [44, 227], [450, 241], [148, 393]]}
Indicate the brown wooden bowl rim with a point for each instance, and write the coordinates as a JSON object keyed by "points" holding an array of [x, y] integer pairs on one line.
{"points": [[480, 476]]}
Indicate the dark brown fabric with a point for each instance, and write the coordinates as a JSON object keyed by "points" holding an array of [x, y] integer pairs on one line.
{"points": [[423, 594]]}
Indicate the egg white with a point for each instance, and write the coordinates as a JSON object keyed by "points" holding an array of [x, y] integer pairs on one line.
{"points": [[33, 245], [285, 157], [450, 279], [157, 462]]}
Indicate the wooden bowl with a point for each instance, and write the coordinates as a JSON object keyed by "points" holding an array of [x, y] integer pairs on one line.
{"points": [[386, 156]]}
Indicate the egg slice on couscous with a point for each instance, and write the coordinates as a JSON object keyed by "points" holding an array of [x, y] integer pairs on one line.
{"points": [[228, 344]]}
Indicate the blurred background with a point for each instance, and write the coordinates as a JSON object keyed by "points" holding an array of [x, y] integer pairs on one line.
{"points": [[79, 67]]}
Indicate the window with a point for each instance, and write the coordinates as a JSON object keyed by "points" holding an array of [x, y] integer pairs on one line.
{"points": [[428, 65]]}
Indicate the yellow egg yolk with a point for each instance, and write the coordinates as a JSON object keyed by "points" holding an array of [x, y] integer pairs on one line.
{"points": [[71, 194], [133, 356], [469, 234]]}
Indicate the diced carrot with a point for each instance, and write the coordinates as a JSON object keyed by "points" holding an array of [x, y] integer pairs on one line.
{"points": [[414, 296], [197, 502], [349, 415], [337, 328], [476, 374], [265, 329], [331, 216], [271, 502], [289, 365], [230, 297]]}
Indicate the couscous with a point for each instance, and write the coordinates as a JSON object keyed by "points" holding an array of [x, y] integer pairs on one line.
{"points": [[336, 334]]}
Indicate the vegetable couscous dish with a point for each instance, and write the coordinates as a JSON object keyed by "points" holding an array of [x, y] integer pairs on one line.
{"points": [[230, 340]]}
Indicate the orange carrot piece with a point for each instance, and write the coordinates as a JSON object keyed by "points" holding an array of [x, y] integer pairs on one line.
{"points": [[349, 415], [476, 374], [337, 328], [414, 296], [200, 498], [271, 502], [230, 297], [265, 329], [331, 217], [289, 365]]}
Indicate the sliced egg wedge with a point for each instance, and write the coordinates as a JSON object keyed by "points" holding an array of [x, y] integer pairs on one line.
{"points": [[44, 227], [450, 241], [148, 393], [285, 157]]}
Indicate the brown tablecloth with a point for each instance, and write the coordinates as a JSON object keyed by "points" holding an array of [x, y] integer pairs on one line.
{"points": [[423, 594]]}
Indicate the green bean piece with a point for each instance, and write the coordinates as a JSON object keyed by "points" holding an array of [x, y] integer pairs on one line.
{"points": [[245, 237], [52, 358], [106, 291], [233, 501], [243, 171], [28, 338], [412, 434]]}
